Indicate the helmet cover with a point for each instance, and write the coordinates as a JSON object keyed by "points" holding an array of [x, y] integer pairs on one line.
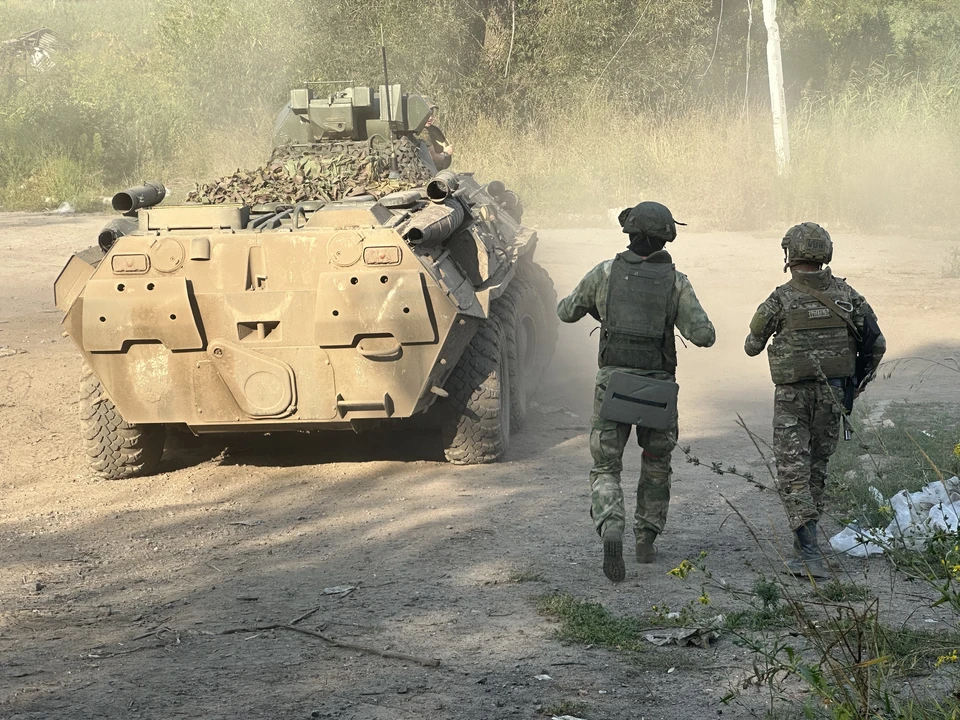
{"points": [[806, 242]]}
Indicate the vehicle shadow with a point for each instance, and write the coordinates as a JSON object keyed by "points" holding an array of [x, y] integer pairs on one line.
{"points": [[296, 449]]}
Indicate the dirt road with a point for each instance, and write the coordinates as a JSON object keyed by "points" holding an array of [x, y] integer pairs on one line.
{"points": [[115, 596]]}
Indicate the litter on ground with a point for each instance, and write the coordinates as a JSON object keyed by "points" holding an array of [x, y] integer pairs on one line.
{"points": [[917, 517]]}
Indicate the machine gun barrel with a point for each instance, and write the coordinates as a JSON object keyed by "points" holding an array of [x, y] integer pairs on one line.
{"points": [[142, 196]]}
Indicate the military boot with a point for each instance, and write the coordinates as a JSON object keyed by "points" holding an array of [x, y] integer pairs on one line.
{"points": [[809, 560], [613, 566], [646, 550]]}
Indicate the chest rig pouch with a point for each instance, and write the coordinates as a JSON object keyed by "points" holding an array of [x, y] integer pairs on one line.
{"points": [[637, 331], [637, 400], [816, 341]]}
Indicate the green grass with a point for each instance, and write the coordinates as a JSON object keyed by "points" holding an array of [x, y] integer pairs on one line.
{"points": [[758, 619], [837, 591], [588, 623], [767, 611], [914, 649]]}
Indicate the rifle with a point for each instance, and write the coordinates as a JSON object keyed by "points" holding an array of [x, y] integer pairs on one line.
{"points": [[862, 373]]}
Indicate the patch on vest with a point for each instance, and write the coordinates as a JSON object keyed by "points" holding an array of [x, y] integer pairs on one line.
{"points": [[818, 313]]}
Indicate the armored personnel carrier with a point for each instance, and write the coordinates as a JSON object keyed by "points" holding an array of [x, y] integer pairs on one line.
{"points": [[389, 301]]}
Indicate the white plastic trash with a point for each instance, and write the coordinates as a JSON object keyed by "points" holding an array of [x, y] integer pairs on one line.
{"points": [[945, 517], [856, 542], [917, 517]]}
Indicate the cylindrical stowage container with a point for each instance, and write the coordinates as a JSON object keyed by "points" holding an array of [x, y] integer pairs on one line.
{"points": [[443, 185], [143, 196]]}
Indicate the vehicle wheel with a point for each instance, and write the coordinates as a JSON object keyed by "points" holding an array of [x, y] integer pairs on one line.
{"points": [[115, 448], [477, 422], [532, 301]]}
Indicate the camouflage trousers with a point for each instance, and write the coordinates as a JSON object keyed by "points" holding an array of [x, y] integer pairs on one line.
{"points": [[608, 439], [806, 428]]}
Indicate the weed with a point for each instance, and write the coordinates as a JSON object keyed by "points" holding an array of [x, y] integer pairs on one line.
{"points": [[910, 648], [836, 644], [767, 592], [520, 576], [566, 707], [766, 611], [838, 591], [760, 619]]}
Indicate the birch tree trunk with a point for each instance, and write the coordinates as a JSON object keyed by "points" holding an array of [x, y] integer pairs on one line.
{"points": [[781, 135]]}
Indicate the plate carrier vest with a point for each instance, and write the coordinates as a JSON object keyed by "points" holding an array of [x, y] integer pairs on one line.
{"points": [[637, 330]]}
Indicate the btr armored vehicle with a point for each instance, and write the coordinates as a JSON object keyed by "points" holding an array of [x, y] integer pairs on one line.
{"points": [[349, 306]]}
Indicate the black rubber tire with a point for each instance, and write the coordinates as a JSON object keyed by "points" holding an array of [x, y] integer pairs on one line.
{"points": [[115, 448], [476, 426], [531, 302]]}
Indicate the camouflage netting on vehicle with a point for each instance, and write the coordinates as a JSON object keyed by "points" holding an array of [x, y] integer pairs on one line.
{"points": [[328, 172]]}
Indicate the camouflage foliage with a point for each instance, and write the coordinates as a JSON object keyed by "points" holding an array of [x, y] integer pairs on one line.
{"points": [[327, 172]]}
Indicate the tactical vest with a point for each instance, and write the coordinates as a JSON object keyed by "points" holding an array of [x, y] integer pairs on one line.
{"points": [[637, 327], [814, 342]]}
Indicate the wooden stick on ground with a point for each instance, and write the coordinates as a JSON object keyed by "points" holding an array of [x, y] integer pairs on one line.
{"points": [[303, 617], [425, 662]]}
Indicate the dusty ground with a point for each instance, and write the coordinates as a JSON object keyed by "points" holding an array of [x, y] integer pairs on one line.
{"points": [[114, 595]]}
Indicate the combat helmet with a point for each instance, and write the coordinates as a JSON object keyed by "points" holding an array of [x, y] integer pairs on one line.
{"points": [[651, 220], [806, 242]]}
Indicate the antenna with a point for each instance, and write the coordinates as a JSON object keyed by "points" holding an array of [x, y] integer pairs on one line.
{"points": [[394, 168]]}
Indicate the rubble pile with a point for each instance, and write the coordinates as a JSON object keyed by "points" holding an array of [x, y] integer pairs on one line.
{"points": [[326, 171]]}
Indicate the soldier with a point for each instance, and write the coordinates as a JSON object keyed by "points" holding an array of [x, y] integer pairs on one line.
{"points": [[638, 298], [441, 152], [818, 323]]}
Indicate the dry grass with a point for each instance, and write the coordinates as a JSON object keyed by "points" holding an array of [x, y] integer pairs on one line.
{"points": [[716, 167]]}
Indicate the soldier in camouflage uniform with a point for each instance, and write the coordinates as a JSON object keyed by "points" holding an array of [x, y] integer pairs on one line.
{"points": [[639, 298], [441, 151], [817, 321]]}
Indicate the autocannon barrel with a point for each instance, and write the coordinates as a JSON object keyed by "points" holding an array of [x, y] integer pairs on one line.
{"points": [[142, 196]]}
